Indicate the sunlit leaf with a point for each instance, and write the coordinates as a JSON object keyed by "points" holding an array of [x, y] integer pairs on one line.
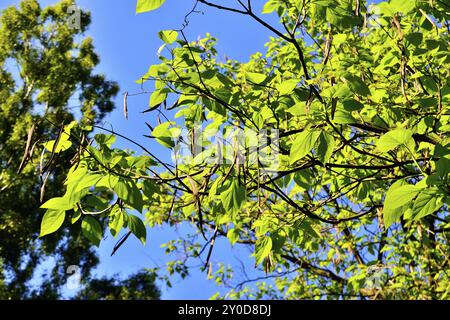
{"points": [[393, 139], [148, 5], [234, 196], [137, 227], [263, 247], [303, 144], [92, 230], [52, 221], [168, 36]]}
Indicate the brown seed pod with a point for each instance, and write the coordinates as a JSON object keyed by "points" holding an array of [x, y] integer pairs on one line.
{"points": [[125, 106], [27, 154]]}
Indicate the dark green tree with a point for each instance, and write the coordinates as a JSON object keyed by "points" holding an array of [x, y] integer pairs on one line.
{"points": [[139, 286], [47, 79]]}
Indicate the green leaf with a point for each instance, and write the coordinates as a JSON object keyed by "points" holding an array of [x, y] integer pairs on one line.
{"points": [[263, 246], [403, 6], [430, 83], [153, 72], [98, 155], [73, 179], [130, 194], [303, 179], [398, 198], [109, 181], [312, 231], [343, 117], [63, 143], [57, 203], [255, 77], [286, 87], [393, 139], [415, 38], [443, 166], [298, 109], [87, 181], [396, 6], [427, 202], [278, 241], [148, 5], [157, 97], [233, 197], [76, 216], [270, 6], [149, 188], [163, 135], [342, 91], [352, 105], [137, 227], [233, 235], [92, 230], [52, 221], [168, 36], [105, 139], [303, 144], [116, 221], [326, 147], [358, 86]]}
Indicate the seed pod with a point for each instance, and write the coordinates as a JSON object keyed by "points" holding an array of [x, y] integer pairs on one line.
{"points": [[125, 106], [26, 155]]}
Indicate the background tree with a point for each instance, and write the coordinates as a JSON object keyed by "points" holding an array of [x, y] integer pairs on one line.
{"points": [[358, 204], [139, 286], [47, 79]]}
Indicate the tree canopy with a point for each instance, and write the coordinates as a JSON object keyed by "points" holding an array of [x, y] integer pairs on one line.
{"points": [[47, 80], [327, 154]]}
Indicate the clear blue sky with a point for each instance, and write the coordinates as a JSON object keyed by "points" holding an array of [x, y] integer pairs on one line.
{"points": [[127, 44]]}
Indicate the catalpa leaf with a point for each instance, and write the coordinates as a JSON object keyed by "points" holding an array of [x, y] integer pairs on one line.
{"points": [[270, 6], [427, 202], [391, 140], [63, 143], [168, 36], [52, 221], [76, 216], [92, 230], [398, 198], [137, 227], [129, 193], [263, 247], [148, 5], [358, 86], [116, 221], [255, 77], [303, 144], [233, 235], [157, 97], [287, 86], [233, 197], [58, 203], [343, 117], [163, 135], [326, 147]]}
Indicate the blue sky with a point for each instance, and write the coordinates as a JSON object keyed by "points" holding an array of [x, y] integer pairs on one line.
{"points": [[128, 44]]}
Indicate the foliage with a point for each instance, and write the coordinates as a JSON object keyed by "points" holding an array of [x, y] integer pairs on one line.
{"points": [[47, 79], [359, 95]]}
